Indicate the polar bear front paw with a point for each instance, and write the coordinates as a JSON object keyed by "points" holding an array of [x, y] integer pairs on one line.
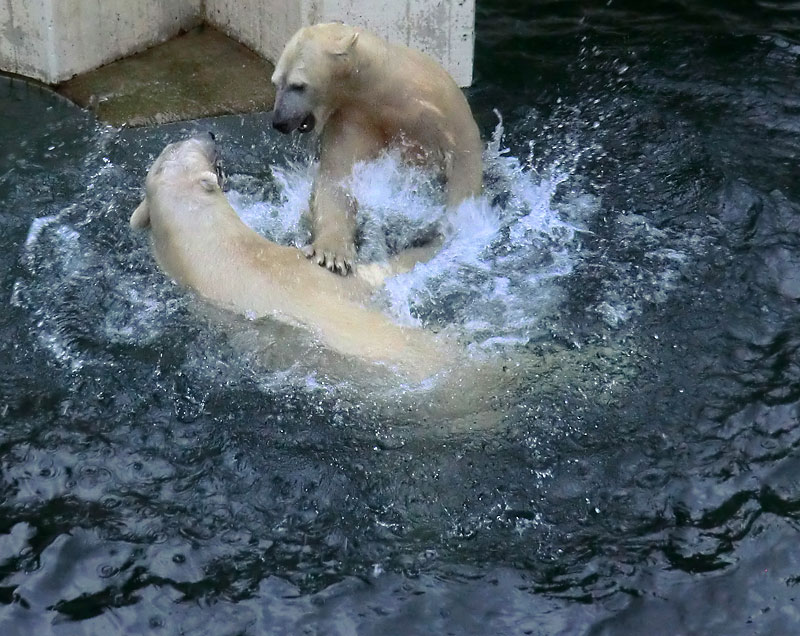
{"points": [[339, 261]]}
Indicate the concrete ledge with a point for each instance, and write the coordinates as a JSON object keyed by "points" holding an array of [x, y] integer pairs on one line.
{"points": [[200, 74], [52, 40]]}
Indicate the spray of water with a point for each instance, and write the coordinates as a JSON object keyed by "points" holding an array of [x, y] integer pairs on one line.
{"points": [[489, 286], [500, 256]]}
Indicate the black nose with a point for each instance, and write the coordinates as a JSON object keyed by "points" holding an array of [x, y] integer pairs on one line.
{"points": [[211, 134], [281, 126]]}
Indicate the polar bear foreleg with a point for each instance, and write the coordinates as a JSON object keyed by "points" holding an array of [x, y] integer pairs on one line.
{"points": [[345, 142], [333, 226]]}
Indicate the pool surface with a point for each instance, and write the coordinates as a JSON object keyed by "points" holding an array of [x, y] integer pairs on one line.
{"points": [[634, 265]]}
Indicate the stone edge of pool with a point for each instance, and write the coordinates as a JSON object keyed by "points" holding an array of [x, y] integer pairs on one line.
{"points": [[201, 73]]}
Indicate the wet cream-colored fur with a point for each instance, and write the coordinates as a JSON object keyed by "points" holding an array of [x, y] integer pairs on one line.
{"points": [[201, 242], [362, 94]]}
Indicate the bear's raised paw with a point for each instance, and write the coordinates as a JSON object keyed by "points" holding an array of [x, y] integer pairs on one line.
{"points": [[339, 261]]}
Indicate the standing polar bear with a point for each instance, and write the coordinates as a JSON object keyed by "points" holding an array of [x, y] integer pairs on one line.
{"points": [[363, 94]]}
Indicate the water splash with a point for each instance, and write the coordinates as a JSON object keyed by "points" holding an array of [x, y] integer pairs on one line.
{"points": [[501, 253], [92, 285], [498, 282], [279, 217]]}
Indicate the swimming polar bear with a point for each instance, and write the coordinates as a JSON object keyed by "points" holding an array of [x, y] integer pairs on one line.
{"points": [[201, 242], [363, 94]]}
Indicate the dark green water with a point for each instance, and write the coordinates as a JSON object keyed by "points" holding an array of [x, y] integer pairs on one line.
{"points": [[645, 480]]}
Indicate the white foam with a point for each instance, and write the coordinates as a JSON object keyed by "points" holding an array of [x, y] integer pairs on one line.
{"points": [[280, 220], [500, 251], [489, 284]]}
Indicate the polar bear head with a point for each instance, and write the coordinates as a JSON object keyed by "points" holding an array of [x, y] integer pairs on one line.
{"points": [[310, 74], [182, 167]]}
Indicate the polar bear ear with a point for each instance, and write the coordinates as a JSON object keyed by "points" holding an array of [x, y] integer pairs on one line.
{"points": [[209, 181], [140, 218], [346, 44]]}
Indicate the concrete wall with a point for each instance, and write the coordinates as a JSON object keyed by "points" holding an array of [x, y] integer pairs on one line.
{"points": [[442, 28], [25, 47], [262, 25], [52, 40]]}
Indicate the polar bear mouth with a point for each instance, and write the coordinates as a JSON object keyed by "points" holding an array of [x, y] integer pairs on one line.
{"points": [[307, 124]]}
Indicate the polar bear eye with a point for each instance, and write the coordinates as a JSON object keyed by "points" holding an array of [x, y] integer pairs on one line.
{"points": [[298, 88]]}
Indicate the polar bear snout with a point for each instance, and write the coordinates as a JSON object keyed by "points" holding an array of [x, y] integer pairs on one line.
{"points": [[208, 142], [281, 125], [287, 125], [292, 111]]}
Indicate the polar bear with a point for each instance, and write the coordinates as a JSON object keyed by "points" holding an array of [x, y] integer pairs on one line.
{"points": [[200, 241], [362, 94]]}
